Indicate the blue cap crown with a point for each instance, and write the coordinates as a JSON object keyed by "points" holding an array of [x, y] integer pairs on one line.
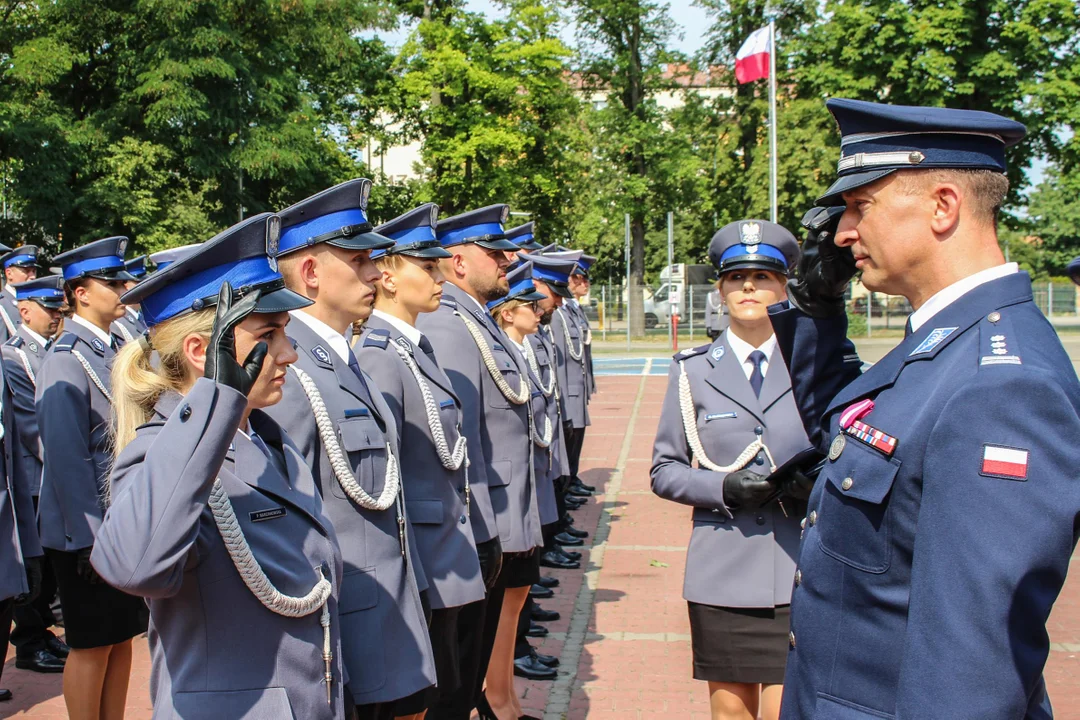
{"points": [[103, 257], [49, 288], [136, 266], [413, 233], [879, 139], [24, 256], [523, 236], [242, 255], [483, 226], [337, 216], [753, 244]]}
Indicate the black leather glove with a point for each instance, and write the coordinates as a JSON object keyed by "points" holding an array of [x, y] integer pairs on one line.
{"points": [[797, 485], [490, 554], [221, 364], [746, 489], [84, 569], [35, 573], [824, 270]]}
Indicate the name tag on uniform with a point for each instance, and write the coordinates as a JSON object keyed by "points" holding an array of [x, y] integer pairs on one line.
{"points": [[721, 416], [446, 403], [357, 412], [497, 346], [271, 514]]}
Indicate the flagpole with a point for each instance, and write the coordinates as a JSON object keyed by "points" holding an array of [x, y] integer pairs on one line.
{"points": [[772, 119]]}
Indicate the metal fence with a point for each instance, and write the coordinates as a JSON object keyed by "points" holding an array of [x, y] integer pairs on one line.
{"points": [[606, 308]]}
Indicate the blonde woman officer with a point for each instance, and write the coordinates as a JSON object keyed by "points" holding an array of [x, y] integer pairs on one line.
{"points": [[215, 518], [729, 406]]}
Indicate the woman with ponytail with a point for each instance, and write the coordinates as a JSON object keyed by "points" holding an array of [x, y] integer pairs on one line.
{"points": [[214, 517]]}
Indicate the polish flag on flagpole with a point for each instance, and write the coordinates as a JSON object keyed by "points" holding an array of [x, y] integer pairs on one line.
{"points": [[752, 60]]}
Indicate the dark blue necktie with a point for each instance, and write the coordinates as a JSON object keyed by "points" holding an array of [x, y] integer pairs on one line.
{"points": [[756, 377], [425, 345], [907, 327], [355, 367]]}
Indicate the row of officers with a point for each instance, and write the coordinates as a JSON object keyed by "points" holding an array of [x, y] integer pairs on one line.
{"points": [[320, 462]]}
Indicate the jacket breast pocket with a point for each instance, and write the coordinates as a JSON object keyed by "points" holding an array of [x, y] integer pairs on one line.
{"points": [[272, 702], [424, 512], [364, 442], [510, 375], [833, 708], [853, 521], [359, 590]]}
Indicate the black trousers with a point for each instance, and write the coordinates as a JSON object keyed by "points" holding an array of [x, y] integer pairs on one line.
{"points": [[575, 440], [477, 624], [522, 648], [6, 607], [32, 622]]}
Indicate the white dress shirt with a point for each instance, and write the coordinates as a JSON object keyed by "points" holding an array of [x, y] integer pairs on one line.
{"points": [[943, 298], [333, 338], [411, 333], [742, 350], [34, 336], [101, 334]]}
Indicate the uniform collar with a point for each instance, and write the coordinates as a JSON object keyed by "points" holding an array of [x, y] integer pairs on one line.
{"points": [[411, 333], [332, 337], [98, 332], [742, 349], [943, 298], [34, 336]]}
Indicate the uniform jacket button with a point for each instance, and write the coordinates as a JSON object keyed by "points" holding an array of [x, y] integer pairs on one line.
{"points": [[759, 430], [760, 520], [791, 638], [462, 520], [185, 413], [798, 578], [813, 517]]}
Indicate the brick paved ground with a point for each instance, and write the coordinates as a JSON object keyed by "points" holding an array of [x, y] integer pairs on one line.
{"points": [[623, 637]]}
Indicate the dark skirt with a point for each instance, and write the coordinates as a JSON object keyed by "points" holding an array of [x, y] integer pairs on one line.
{"points": [[521, 569], [739, 645], [95, 614]]}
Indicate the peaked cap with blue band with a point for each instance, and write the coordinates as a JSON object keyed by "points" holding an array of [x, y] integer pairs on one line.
{"points": [[102, 259], [878, 139], [756, 244], [522, 288], [413, 234], [554, 269], [524, 237], [24, 256], [243, 255], [164, 258], [136, 266], [336, 216], [47, 291], [483, 227], [584, 265]]}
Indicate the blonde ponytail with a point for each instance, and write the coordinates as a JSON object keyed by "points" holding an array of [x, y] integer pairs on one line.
{"points": [[143, 371]]}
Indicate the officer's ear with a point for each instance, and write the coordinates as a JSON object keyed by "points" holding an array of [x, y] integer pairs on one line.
{"points": [[948, 198], [195, 346]]}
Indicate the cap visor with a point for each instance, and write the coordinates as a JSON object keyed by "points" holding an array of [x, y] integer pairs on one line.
{"points": [[434, 252], [363, 241], [111, 275], [281, 300], [531, 246], [500, 244], [775, 267], [530, 297], [834, 195], [50, 304], [561, 291]]}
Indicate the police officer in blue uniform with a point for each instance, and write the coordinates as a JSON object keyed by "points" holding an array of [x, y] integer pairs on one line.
{"points": [[74, 407], [19, 266], [435, 467], [348, 436], [131, 325], [729, 407], [39, 303], [524, 237], [940, 530], [215, 518]]}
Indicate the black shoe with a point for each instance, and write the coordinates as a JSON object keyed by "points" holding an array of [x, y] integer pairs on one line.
{"points": [[41, 661], [548, 581], [568, 540], [578, 492], [537, 631], [532, 669], [550, 660], [570, 555], [57, 646], [574, 532], [567, 520], [540, 592], [553, 560], [573, 503], [539, 614], [578, 484], [5, 695]]}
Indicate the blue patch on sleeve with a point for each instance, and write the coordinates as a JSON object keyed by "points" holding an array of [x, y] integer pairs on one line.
{"points": [[357, 412]]}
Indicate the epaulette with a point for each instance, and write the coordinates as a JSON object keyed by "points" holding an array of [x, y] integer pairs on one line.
{"points": [[15, 341], [65, 342], [377, 338], [691, 352], [448, 302]]}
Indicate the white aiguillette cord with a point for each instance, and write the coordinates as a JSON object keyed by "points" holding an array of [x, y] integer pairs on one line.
{"points": [[543, 441], [517, 398], [689, 418], [575, 356], [243, 559]]}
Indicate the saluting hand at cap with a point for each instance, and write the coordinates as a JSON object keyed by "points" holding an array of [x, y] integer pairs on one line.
{"points": [[824, 270], [221, 364]]}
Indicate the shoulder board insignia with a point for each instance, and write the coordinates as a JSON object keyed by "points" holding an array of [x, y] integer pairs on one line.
{"points": [[66, 342], [321, 354], [17, 341], [377, 338], [97, 345], [448, 302], [699, 350]]}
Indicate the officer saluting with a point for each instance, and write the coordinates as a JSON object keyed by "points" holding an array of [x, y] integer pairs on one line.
{"points": [[214, 517], [348, 436], [39, 302], [729, 406], [941, 527], [19, 266]]}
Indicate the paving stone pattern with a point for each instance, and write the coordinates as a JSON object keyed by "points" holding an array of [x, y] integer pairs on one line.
{"points": [[624, 638]]}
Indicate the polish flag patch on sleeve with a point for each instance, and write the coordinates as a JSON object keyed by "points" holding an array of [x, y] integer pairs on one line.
{"points": [[1004, 462]]}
